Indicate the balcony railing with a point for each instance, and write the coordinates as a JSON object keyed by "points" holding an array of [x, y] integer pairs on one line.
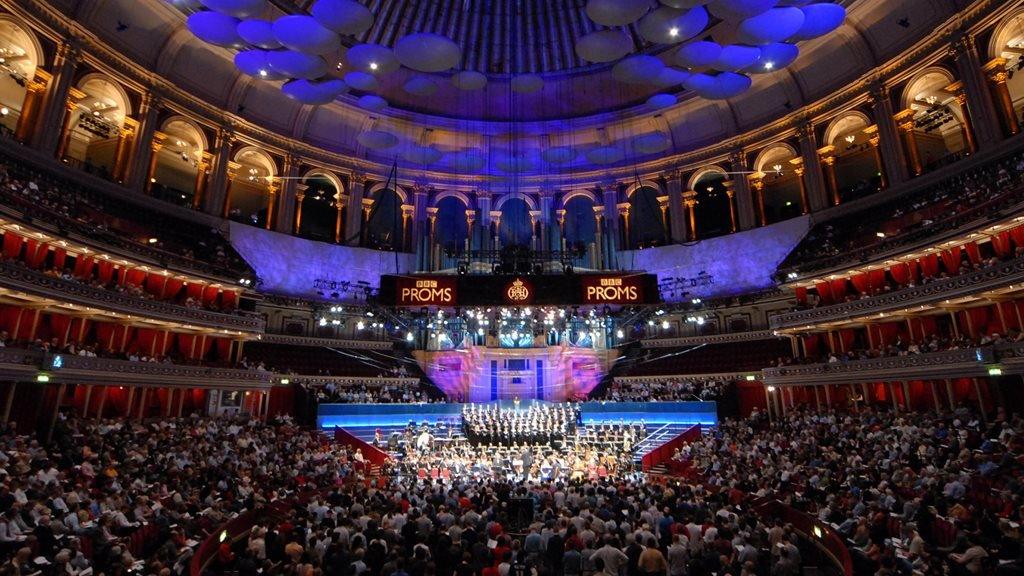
{"points": [[17, 277], [708, 339], [318, 342], [990, 278], [22, 364], [964, 363]]}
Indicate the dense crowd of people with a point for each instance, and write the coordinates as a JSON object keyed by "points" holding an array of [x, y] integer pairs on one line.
{"points": [[537, 424], [663, 389], [912, 492], [912, 217], [374, 391]]}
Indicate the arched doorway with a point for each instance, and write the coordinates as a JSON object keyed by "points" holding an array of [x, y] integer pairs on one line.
{"points": [[714, 214], [781, 192], [96, 123], [178, 161], [250, 189], [646, 225], [450, 227], [515, 222], [21, 55], [384, 227], [580, 223], [319, 208], [1006, 43], [855, 160], [938, 133]]}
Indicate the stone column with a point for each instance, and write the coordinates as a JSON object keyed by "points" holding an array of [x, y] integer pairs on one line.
{"points": [[611, 224], [35, 91], [47, 130], [286, 198], [996, 70], [666, 221], [272, 189], [560, 216], [599, 238], [70, 107], [215, 189], [967, 128], [496, 236], [408, 212], [757, 184], [828, 162], [364, 221], [229, 184], [536, 217], [800, 171], [690, 201], [731, 193], [905, 120], [156, 144], [341, 214], [813, 176], [202, 176], [746, 216], [431, 240], [137, 173], [122, 151], [875, 141], [983, 112], [625, 239], [470, 230], [300, 195], [891, 148], [677, 216], [354, 226], [548, 241]]}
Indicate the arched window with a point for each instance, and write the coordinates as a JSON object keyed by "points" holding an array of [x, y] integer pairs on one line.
{"points": [[319, 215], [713, 215], [646, 227], [580, 224], [856, 165], [177, 161], [384, 229], [515, 223], [451, 230], [22, 55]]}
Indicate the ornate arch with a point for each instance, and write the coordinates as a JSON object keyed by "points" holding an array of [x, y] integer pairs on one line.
{"points": [[268, 161], [839, 124], [38, 55], [1009, 27], [530, 202], [769, 152], [578, 193], [326, 175], [912, 87], [642, 184], [378, 186], [121, 93], [203, 142], [704, 171], [452, 194]]}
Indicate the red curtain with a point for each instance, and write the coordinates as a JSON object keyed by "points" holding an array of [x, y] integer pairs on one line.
{"points": [[135, 276], [60, 327], [229, 299], [839, 289], [1001, 244], [1017, 234], [223, 349], [26, 327], [204, 346], [801, 296], [951, 260], [187, 345], [172, 288], [12, 245], [824, 292], [210, 294], [930, 265], [79, 329], [846, 338], [900, 273], [35, 253], [60, 256], [195, 291], [861, 282], [812, 345], [973, 253], [83, 266], [282, 400], [105, 271], [155, 284], [877, 279], [145, 341]]}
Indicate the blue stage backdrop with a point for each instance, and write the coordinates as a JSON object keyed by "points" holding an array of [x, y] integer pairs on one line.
{"points": [[363, 415]]}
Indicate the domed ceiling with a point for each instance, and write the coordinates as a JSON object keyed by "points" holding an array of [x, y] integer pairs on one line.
{"points": [[510, 59]]}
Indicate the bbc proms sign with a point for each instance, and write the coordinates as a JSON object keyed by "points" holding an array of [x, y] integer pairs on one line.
{"points": [[512, 290]]}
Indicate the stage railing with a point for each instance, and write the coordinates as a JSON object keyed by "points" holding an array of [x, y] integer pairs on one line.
{"points": [[663, 454], [818, 533], [375, 456]]}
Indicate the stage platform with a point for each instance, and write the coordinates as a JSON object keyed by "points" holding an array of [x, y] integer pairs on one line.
{"points": [[392, 415]]}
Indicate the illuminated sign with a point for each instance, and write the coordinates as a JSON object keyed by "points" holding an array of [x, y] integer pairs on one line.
{"points": [[426, 292], [612, 289], [518, 292]]}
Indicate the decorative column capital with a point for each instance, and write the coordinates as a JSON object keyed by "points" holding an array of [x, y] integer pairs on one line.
{"points": [[690, 198], [159, 139]]}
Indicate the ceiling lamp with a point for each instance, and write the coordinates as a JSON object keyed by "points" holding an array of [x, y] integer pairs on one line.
{"points": [[215, 28], [616, 12], [372, 58], [423, 155], [671, 25], [362, 81], [698, 54], [377, 140], [736, 57], [256, 63], [305, 34], [527, 83], [469, 80], [236, 8], [775, 25], [259, 33], [735, 10], [346, 17], [775, 56], [637, 69], [605, 155], [314, 93], [659, 101], [819, 19], [559, 155], [651, 143], [296, 64], [372, 102], [426, 52], [604, 46], [420, 85]]}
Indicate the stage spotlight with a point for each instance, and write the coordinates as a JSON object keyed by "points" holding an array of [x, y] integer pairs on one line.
{"points": [[462, 270]]}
